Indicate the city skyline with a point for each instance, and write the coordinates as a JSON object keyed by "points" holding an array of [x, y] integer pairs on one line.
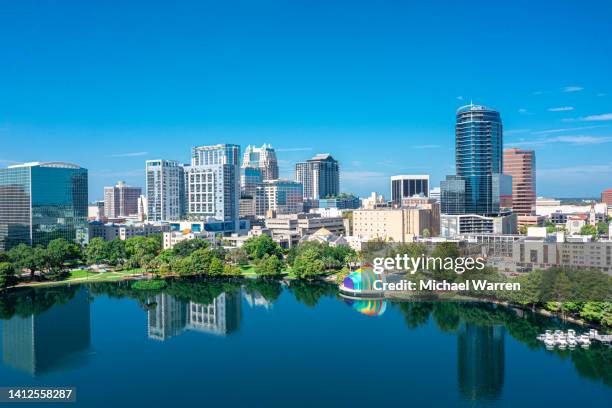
{"points": [[375, 86]]}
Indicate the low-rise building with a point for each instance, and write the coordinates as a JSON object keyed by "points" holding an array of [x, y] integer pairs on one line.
{"points": [[111, 231], [288, 229], [464, 224], [172, 238], [556, 250], [396, 224]]}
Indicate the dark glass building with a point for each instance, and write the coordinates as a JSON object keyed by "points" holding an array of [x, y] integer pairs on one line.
{"points": [[408, 186], [42, 201], [479, 155], [452, 195]]}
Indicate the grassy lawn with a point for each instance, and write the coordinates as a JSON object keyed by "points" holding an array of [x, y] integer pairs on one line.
{"points": [[84, 275]]}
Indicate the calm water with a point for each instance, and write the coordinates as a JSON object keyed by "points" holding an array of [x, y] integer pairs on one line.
{"points": [[255, 344]]}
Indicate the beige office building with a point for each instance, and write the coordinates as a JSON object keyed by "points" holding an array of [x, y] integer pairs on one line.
{"points": [[397, 225]]}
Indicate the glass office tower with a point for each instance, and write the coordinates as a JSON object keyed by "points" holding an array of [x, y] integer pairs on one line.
{"points": [[478, 154], [42, 201]]}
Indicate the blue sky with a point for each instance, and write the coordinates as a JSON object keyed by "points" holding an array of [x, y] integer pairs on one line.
{"points": [[374, 83]]}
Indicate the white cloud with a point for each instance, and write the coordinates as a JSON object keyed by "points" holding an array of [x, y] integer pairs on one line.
{"points": [[602, 94], [596, 118], [561, 130], [460, 98], [586, 169], [522, 110], [561, 109], [538, 92], [134, 154], [578, 140], [572, 88]]}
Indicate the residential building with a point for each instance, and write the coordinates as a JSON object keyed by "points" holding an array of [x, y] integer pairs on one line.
{"points": [[406, 186], [165, 190], [452, 226], [320, 176], [111, 231], [121, 200], [395, 224], [521, 166], [213, 185], [42, 201], [262, 158]]}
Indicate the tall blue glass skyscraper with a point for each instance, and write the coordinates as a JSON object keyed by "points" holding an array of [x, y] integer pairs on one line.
{"points": [[479, 157], [42, 201]]}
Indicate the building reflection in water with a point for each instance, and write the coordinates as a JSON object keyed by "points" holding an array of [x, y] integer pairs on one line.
{"points": [[480, 351], [53, 339], [172, 316]]}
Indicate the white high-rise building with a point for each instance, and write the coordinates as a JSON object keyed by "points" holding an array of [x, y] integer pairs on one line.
{"points": [[263, 158], [213, 184], [406, 186], [165, 190]]}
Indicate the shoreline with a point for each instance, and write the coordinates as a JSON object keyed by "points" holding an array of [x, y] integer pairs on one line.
{"points": [[386, 295]]}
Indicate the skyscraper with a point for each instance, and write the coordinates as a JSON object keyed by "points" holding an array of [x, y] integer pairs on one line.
{"points": [[263, 158], [520, 165], [165, 190], [213, 184], [406, 186], [42, 201], [478, 155], [121, 200], [320, 176]]}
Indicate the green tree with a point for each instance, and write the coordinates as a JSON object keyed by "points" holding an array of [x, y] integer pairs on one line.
{"points": [[258, 247], [237, 256], [96, 252], [22, 257], [602, 228], [115, 251], [445, 255], [139, 248], [188, 246], [268, 265], [308, 264], [59, 251], [7, 275], [589, 229]]}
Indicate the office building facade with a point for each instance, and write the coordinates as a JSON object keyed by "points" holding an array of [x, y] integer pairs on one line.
{"points": [[520, 165], [42, 201], [121, 200], [282, 197], [262, 158], [406, 186], [320, 176]]}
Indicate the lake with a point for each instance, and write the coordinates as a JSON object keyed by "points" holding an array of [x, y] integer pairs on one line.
{"points": [[265, 344]]}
